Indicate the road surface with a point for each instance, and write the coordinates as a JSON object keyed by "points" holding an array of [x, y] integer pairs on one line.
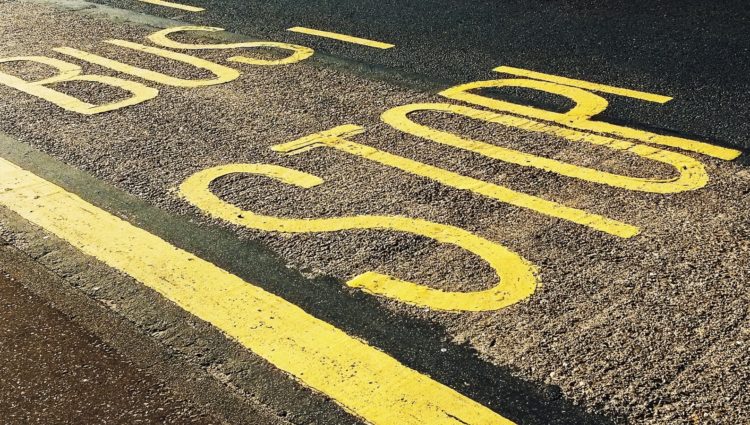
{"points": [[370, 212]]}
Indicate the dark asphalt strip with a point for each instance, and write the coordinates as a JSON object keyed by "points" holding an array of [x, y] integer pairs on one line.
{"points": [[416, 343]]}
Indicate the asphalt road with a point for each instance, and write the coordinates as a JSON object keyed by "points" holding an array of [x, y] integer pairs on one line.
{"points": [[694, 51], [629, 254]]}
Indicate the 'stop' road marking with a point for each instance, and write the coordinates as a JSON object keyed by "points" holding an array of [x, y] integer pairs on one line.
{"points": [[364, 380], [174, 5], [602, 88], [342, 37]]}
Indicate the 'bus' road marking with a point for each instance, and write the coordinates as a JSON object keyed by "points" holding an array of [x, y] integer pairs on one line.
{"points": [[174, 5], [362, 379], [342, 37]]}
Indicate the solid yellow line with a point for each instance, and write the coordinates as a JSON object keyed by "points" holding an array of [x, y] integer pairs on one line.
{"points": [[174, 5], [650, 97], [362, 379], [342, 37]]}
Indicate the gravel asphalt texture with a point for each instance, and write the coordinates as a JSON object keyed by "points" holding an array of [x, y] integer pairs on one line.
{"points": [[653, 329]]}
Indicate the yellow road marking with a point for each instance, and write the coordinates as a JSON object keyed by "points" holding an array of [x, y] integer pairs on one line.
{"points": [[362, 379], [336, 138], [587, 105], [300, 53], [71, 72], [690, 173], [174, 5], [649, 97], [517, 279], [342, 37], [223, 74]]}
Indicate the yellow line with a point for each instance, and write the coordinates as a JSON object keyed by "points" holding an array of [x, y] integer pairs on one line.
{"points": [[342, 37], [174, 5], [364, 380], [650, 97]]}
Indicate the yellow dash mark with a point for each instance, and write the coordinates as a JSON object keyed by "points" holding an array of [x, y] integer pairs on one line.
{"points": [[602, 88], [362, 379], [342, 37], [174, 5]]}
